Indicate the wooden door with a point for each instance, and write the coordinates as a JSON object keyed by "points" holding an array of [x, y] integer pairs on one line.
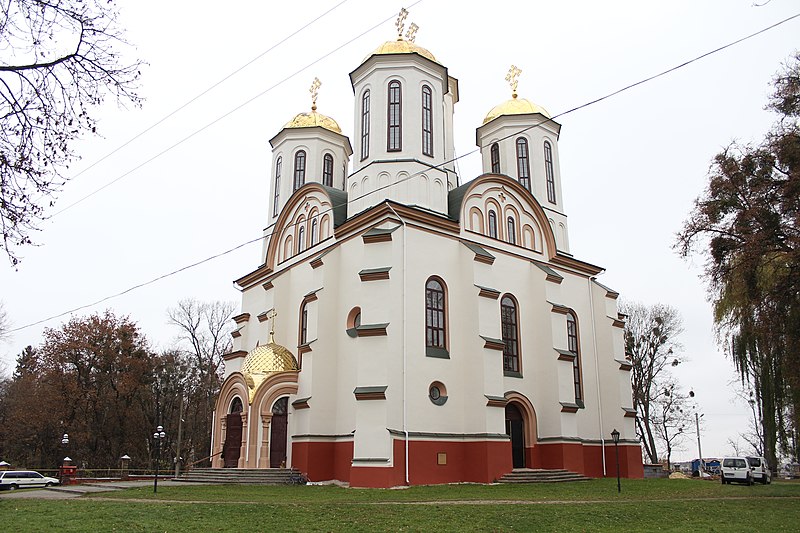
{"points": [[278, 434], [515, 428], [233, 440]]}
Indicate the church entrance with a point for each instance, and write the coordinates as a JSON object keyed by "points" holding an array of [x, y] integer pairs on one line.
{"points": [[233, 435], [515, 428], [278, 433]]}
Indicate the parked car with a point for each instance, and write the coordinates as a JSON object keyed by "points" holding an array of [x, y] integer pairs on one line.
{"points": [[736, 469], [760, 468], [19, 479]]}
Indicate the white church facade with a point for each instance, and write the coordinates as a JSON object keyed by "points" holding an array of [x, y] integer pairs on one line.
{"points": [[426, 329]]}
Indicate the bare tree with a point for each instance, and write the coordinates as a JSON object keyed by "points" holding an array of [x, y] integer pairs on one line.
{"points": [[650, 333], [4, 324], [58, 62], [204, 340], [671, 418]]}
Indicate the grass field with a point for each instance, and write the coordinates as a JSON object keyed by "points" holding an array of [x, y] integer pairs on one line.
{"points": [[644, 505]]}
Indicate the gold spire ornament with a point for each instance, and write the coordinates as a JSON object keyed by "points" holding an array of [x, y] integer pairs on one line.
{"points": [[271, 317], [512, 79], [314, 90], [400, 23]]}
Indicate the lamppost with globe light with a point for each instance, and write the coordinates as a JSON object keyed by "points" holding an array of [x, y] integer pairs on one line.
{"points": [[615, 437], [158, 436], [64, 446]]}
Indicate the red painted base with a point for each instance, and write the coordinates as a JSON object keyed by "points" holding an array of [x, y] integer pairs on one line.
{"points": [[433, 462]]}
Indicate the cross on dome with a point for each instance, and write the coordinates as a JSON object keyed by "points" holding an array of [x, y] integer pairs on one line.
{"points": [[314, 90], [400, 23]]}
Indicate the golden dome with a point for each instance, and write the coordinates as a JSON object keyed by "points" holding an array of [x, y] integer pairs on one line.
{"points": [[264, 361], [515, 106], [309, 120], [401, 46]]}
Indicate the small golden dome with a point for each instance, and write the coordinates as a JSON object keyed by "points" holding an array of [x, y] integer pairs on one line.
{"points": [[309, 120], [263, 361], [401, 46], [515, 106]]}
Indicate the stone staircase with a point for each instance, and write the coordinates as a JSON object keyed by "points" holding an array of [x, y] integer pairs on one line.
{"points": [[244, 476], [539, 475]]}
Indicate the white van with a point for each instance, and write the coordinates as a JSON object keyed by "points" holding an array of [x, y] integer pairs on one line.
{"points": [[760, 469], [736, 469], [20, 479]]}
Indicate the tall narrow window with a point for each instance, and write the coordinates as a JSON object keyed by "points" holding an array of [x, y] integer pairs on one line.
{"points": [[508, 321], [572, 344], [523, 163], [492, 224], [512, 233], [435, 326], [427, 121], [365, 125], [301, 239], [299, 169], [303, 334], [314, 232], [548, 170], [395, 120], [495, 153], [276, 200], [327, 170]]}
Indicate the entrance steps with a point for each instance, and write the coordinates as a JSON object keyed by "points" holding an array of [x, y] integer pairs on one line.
{"points": [[540, 475], [245, 476]]}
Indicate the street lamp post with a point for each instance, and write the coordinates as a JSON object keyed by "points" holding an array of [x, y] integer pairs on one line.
{"points": [[64, 446], [615, 437], [158, 436]]}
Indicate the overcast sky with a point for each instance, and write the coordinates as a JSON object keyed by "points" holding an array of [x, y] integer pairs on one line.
{"points": [[198, 183]]}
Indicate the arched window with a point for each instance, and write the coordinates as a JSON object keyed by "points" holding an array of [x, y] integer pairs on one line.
{"points": [[492, 224], [523, 163], [276, 200], [314, 232], [427, 121], [510, 331], [495, 152], [365, 125], [236, 405], [327, 170], [299, 169], [572, 344], [512, 232], [548, 170], [435, 316], [394, 121], [302, 337], [301, 239]]}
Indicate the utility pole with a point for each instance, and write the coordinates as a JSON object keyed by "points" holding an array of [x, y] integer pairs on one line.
{"points": [[699, 449], [178, 444]]}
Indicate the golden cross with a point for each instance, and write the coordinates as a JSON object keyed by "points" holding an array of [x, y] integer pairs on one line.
{"points": [[314, 90], [511, 78], [271, 314], [400, 24], [411, 34]]}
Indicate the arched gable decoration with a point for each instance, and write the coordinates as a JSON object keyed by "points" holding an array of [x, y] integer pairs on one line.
{"points": [[457, 210], [334, 202]]}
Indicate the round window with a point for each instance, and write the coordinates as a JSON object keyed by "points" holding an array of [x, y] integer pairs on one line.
{"points": [[437, 393]]}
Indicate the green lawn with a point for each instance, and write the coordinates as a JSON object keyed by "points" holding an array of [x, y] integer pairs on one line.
{"points": [[644, 505]]}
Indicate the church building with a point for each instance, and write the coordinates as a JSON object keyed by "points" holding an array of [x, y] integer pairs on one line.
{"points": [[408, 325]]}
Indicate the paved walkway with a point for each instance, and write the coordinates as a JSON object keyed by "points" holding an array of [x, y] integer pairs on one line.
{"points": [[73, 491]]}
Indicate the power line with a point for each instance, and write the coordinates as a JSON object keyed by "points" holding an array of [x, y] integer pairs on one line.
{"points": [[223, 116], [416, 174]]}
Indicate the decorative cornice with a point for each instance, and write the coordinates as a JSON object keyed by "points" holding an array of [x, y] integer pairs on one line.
{"points": [[567, 407], [304, 348], [374, 274], [262, 317], [550, 274], [234, 355], [624, 365], [493, 344], [301, 403], [560, 309], [481, 255], [576, 264], [316, 262], [248, 279], [616, 322], [268, 285], [378, 235], [486, 292], [564, 355], [629, 412], [370, 393], [495, 401], [449, 436], [236, 333], [371, 330], [610, 293], [244, 317]]}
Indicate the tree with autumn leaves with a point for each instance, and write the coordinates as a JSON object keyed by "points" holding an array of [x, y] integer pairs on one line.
{"points": [[747, 226]]}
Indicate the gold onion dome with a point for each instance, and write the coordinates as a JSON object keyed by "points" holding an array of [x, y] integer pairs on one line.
{"points": [[309, 120], [265, 360], [515, 106], [401, 46]]}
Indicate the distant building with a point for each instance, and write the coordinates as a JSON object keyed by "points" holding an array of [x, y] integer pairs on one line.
{"points": [[440, 330]]}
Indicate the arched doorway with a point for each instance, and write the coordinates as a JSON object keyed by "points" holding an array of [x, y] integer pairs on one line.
{"points": [[515, 428], [278, 432], [233, 434]]}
